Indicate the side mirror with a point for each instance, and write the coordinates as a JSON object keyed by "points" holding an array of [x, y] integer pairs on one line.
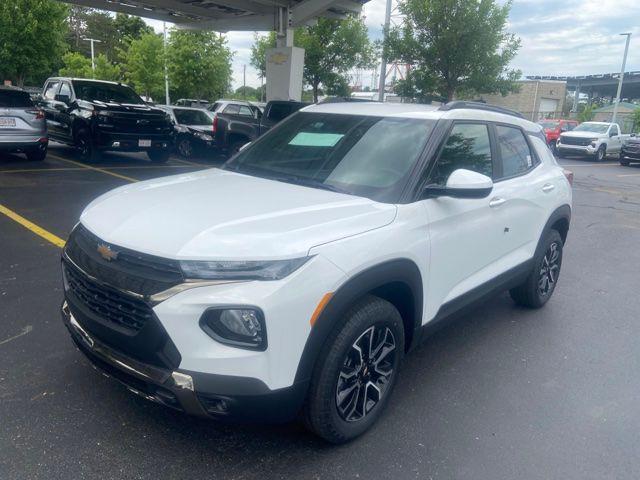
{"points": [[633, 134], [63, 99], [462, 183]]}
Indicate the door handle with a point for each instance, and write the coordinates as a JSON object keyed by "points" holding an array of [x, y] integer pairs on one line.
{"points": [[548, 188], [496, 202]]}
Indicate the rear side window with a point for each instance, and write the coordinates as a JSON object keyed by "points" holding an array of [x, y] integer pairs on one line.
{"points": [[245, 111], [514, 151], [50, 90], [232, 109], [467, 147], [14, 99]]}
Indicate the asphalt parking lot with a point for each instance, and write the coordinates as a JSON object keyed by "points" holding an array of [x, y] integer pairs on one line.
{"points": [[503, 393]]}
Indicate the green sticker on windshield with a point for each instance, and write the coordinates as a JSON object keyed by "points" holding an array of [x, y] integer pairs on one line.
{"points": [[308, 139]]}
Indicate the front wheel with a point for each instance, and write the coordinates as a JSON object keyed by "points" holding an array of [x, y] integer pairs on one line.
{"points": [[623, 161], [356, 372], [537, 289], [158, 156], [185, 148], [84, 144], [601, 153]]}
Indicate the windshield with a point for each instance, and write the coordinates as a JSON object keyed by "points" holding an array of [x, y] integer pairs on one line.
{"points": [[192, 117], [592, 127], [360, 155], [105, 92], [549, 124]]}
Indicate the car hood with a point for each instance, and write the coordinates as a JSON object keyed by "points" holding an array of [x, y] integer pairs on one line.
{"points": [[583, 134], [122, 107], [222, 215]]}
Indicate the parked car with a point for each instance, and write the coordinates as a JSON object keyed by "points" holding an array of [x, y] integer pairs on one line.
{"points": [[192, 102], [22, 125], [193, 130], [297, 277], [237, 123], [95, 116], [630, 151], [553, 129], [592, 139]]}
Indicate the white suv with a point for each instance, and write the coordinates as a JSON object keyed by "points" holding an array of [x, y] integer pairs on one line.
{"points": [[297, 276]]}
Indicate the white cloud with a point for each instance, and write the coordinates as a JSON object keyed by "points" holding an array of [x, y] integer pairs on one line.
{"points": [[571, 37]]}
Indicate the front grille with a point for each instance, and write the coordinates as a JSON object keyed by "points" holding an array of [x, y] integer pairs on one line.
{"points": [[583, 142], [109, 304], [150, 123], [632, 147], [131, 271]]}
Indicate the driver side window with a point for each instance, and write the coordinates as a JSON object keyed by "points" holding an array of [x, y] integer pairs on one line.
{"points": [[468, 146]]}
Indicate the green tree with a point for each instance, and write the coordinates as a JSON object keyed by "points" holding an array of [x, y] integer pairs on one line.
{"points": [[31, 39], [247, 93], [332, 48], [199, 64], [79, 66], [586, 114], [76, 65], [636, 120], [144, 65], [455, 48], [259, 51]]}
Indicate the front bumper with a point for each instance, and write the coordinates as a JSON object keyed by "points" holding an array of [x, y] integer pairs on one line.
{"points": [[634, 155], [577, 149], [202, 394], [130, 142]]}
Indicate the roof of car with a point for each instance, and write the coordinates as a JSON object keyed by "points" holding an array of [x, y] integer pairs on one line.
{"points": [[73, 79], [13, 88], [415, 110]]}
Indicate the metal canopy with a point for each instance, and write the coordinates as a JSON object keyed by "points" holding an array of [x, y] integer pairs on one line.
{"points": [[228, 15]]}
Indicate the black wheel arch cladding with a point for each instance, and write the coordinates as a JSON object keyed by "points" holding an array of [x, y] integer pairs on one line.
{"points": [[390, 280]]}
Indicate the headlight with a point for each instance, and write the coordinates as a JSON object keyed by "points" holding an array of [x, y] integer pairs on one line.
{"points": [[242, 327], [204, 136], [251, 270], [594, 140]]}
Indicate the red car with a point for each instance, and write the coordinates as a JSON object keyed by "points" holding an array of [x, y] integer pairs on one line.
{"points": [[553, 129]]}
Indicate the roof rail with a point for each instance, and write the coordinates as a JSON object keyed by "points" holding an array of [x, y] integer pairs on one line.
{"points": [[458, 104]]}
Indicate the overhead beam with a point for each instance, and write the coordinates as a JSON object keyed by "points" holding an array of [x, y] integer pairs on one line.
{"points": [[246, 23], [131, 10], [307, 10]]}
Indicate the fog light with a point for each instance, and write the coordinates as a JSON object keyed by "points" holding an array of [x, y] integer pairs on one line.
{"points": [[116, 144], [239, 327], [182, 380]]}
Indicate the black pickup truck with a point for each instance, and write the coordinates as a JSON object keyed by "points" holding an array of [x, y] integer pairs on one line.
{"points": [[237, 123], [94, 116]]}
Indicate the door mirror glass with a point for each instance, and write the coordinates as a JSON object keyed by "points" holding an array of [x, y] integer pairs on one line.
{"points": [[462, 183]]}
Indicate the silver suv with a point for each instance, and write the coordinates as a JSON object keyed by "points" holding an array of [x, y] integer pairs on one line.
{"points": [[22, 125]]}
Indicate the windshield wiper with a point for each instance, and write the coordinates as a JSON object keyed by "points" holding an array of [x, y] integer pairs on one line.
{"points": [[309, 182]]}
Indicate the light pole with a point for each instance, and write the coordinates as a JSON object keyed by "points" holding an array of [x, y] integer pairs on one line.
{"points": [[166, 75], [624, 62], [383, 65], [93, 62]]}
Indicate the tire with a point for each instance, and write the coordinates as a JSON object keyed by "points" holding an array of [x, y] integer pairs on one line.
{"points": [[601, 154], [84, 143], [37, 155], [158, 156], [623, 161], [185, 148], [535, 291], [340, 367]]}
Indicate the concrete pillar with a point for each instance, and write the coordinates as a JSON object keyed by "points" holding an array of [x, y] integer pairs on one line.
{"points": [[285, 63], [576, 98]]}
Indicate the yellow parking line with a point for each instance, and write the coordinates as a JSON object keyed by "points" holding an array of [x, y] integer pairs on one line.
{"points": [[78, 169], [187, 162], [89, 167], [50, 237]]}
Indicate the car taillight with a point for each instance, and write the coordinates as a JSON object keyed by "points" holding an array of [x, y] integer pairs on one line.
{"points": [[569, 175], [215, 125], [38, 113]]}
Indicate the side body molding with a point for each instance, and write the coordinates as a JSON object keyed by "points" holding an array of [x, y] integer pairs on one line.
{"points": [[403, 273]]}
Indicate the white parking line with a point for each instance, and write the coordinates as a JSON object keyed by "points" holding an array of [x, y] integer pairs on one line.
{"points": [[588, 164]]}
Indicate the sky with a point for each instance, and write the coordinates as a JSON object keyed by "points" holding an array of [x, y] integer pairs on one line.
{"points": [[559, 37]]}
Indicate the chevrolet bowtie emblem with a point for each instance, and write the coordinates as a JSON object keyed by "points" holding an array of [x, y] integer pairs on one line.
{"points": [[106, 252]]}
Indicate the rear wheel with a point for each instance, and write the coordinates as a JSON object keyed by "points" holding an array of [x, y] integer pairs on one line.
{"points": [[84, 143], [38, 154], [356, 371], [158, 156], [537, 289]]}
